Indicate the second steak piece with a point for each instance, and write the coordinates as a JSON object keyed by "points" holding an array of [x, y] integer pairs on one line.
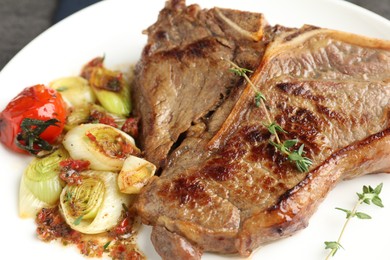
{"points": [[182, 77]]}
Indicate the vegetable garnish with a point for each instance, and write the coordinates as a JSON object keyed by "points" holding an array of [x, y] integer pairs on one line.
{"points": [[41, 185], [70, 170], [131, 126], [104, 146], [106, 245], [51, 225], [110, 87], [100, 117], [95, 205], [33, 120], [295, 156], [29, 138], [75, 91], [368, 196], [71, 185], [135, 174], [90, 66]]}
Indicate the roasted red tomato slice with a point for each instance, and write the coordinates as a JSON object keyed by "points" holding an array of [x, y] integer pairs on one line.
{"points": [[37, 110]]}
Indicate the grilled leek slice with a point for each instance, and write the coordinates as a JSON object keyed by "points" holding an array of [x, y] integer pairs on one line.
{"points": [[112, 90], [41, 185], [95, 205], [135, 174], [105, 147], [74, 90]]}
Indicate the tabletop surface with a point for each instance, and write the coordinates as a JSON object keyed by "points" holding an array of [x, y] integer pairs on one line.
{"points": [[23, 20]]}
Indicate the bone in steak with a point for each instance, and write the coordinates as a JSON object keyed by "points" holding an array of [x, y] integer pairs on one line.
{"points": [[225, 189], [181, 76]]}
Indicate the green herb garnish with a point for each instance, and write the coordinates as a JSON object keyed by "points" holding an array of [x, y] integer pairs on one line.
{"points": [[29, 138], [106, 245], [296, 156], [368, 196]]}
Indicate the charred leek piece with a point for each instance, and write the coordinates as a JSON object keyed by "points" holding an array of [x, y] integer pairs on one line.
{"points": [[135, 174], [112, 90], [95, 205], [96, 111], [40, 185], [93, 114], [75, 91], [77, 116], [105, 147]]}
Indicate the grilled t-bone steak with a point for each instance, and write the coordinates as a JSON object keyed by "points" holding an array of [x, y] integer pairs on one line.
{"points": [[181, 76], [226, 189]]}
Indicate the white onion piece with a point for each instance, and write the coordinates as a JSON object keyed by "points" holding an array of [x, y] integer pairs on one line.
{"points": [[135, 174], [105, 213], [104, 146]]}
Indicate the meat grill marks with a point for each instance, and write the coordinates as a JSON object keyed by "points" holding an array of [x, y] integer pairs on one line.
{"points": [[181, 76], [226, 190]]}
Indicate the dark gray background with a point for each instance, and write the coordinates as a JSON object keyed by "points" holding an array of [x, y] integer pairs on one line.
{"points": [[22, 20]]}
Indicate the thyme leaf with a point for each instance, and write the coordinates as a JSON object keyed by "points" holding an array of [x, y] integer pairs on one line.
{"points": [[273, 128], [334, 246], [240, 71], [296, 156], [368, 196], [259, 97]]}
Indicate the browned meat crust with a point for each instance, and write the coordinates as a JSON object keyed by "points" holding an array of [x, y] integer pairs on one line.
{"points": [[225, 189], [181, 76]]}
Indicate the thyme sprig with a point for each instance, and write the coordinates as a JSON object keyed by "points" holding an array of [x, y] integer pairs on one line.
{"points": [[368, 196], [296, 156]]}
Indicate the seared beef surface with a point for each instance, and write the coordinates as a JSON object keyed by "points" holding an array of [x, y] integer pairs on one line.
{"points": [[182, 76], [224, 188]]}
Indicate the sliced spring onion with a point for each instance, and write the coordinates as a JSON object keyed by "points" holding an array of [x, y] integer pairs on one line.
{"points": [[40, 184], [112, 90], [135, 174], [105, 147], [75, 91], [95, 205]]}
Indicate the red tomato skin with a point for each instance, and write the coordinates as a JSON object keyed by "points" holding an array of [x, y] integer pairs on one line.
{"points": [[37, 102]]}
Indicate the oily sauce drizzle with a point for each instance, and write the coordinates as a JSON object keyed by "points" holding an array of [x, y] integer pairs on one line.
{"points": [[117, 243]]}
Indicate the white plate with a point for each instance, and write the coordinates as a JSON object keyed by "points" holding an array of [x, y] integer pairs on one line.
{"points": [[113, 28]]}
